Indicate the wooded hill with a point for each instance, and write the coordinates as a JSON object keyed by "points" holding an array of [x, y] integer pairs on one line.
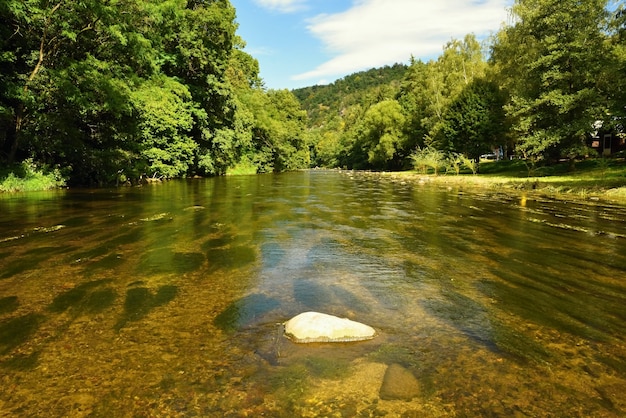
{"points": [[321, 102]]}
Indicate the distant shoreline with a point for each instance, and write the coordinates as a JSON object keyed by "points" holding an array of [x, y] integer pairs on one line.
{"points": [[573, 188]]}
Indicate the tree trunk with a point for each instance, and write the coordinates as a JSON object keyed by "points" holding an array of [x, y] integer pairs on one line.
{"points": [[20, 111], [14, 133]]}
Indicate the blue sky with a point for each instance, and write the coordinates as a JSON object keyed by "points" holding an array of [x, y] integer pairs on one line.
{"points": [[301, 43]]}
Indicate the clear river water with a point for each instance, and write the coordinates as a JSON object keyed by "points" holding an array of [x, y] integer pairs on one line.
{"points": [[168, 300]]}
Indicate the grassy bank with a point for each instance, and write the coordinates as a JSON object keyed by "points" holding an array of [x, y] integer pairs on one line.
{"points": [[590, 179], [26, 177]]}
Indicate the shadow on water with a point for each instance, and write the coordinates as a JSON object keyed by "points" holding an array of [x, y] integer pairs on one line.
{"points": [[231, 257], [107, 263], [272, 254], [245, 311], [464, 314], [77, 221], [224, 240], [140, 301], [479, 325], [31, 259], [346, 298], [576, 312], [614, 361], [8, 304], [391, 353], [312, 295], [84, 298], [18, 330], [88, 298], [22, 362], [108, 246], [15, 332], [292, 379], [164, 260]]}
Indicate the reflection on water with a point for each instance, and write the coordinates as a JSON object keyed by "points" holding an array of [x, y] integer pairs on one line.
{"points": [[168, 300]]}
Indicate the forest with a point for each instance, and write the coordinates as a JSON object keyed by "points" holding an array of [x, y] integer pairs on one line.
{"points": [[126, 90], [109, 92], [538, 90]]}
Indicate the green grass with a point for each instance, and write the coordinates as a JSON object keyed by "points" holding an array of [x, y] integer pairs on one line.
{"points": [[26, 177], [243, 168], [591, 178]]}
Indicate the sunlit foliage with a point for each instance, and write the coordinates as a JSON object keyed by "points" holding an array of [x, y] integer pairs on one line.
{"points": [[128, 89]]}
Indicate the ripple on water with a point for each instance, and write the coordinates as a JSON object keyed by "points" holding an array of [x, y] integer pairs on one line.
{"points": [[496, 308]]}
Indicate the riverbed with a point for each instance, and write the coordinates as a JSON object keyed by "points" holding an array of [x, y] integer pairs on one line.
{"points": [[168, 299]]}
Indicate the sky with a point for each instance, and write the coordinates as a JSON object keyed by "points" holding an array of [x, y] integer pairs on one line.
{"points": [[301, 43]]}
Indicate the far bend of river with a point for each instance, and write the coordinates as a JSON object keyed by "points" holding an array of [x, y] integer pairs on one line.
{"points": [[167, 300]]}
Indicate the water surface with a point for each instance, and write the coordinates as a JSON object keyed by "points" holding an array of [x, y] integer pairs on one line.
{"points": [[167, 300]]}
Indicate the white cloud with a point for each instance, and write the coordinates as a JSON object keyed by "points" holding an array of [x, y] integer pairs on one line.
{"points": [[260, 51], [282, 6], [374, 33]]}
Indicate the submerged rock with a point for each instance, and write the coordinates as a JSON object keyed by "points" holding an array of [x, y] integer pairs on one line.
{"points": [[157, 217], [309, 327], [399, 384]]}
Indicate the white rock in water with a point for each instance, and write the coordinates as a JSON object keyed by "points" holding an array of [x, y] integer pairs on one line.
{"points": [[310, 327]]}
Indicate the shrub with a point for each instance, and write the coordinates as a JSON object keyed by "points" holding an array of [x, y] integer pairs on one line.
{"points": [[428, 157], [27, 176]]}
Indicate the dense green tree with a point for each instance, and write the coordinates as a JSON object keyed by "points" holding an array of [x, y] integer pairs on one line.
{"points": [[416, 101], [554, 71], [280, 139], [68, 69], [350, 154], [429, 89], [37, 38], [475, 120], [128, 88], [551, 60], [243, 69], [346, 117], [287, 131], [327, 145], [196, 41], [614, 71], [166, 114], [380, 135], [335, 110]]}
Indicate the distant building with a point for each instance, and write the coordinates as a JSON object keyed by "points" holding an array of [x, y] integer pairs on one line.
{"points": [[607, 142]]}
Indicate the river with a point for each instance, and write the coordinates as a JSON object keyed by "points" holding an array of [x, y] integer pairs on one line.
{"points": [[168, 299]]}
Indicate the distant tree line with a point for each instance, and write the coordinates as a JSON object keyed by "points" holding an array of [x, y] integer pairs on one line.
{"points": [[536, 89], [118, 90]]}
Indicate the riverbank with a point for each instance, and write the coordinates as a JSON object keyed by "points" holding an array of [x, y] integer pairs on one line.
{"points": [[593, 179], [588, 180], [28, 177]]}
